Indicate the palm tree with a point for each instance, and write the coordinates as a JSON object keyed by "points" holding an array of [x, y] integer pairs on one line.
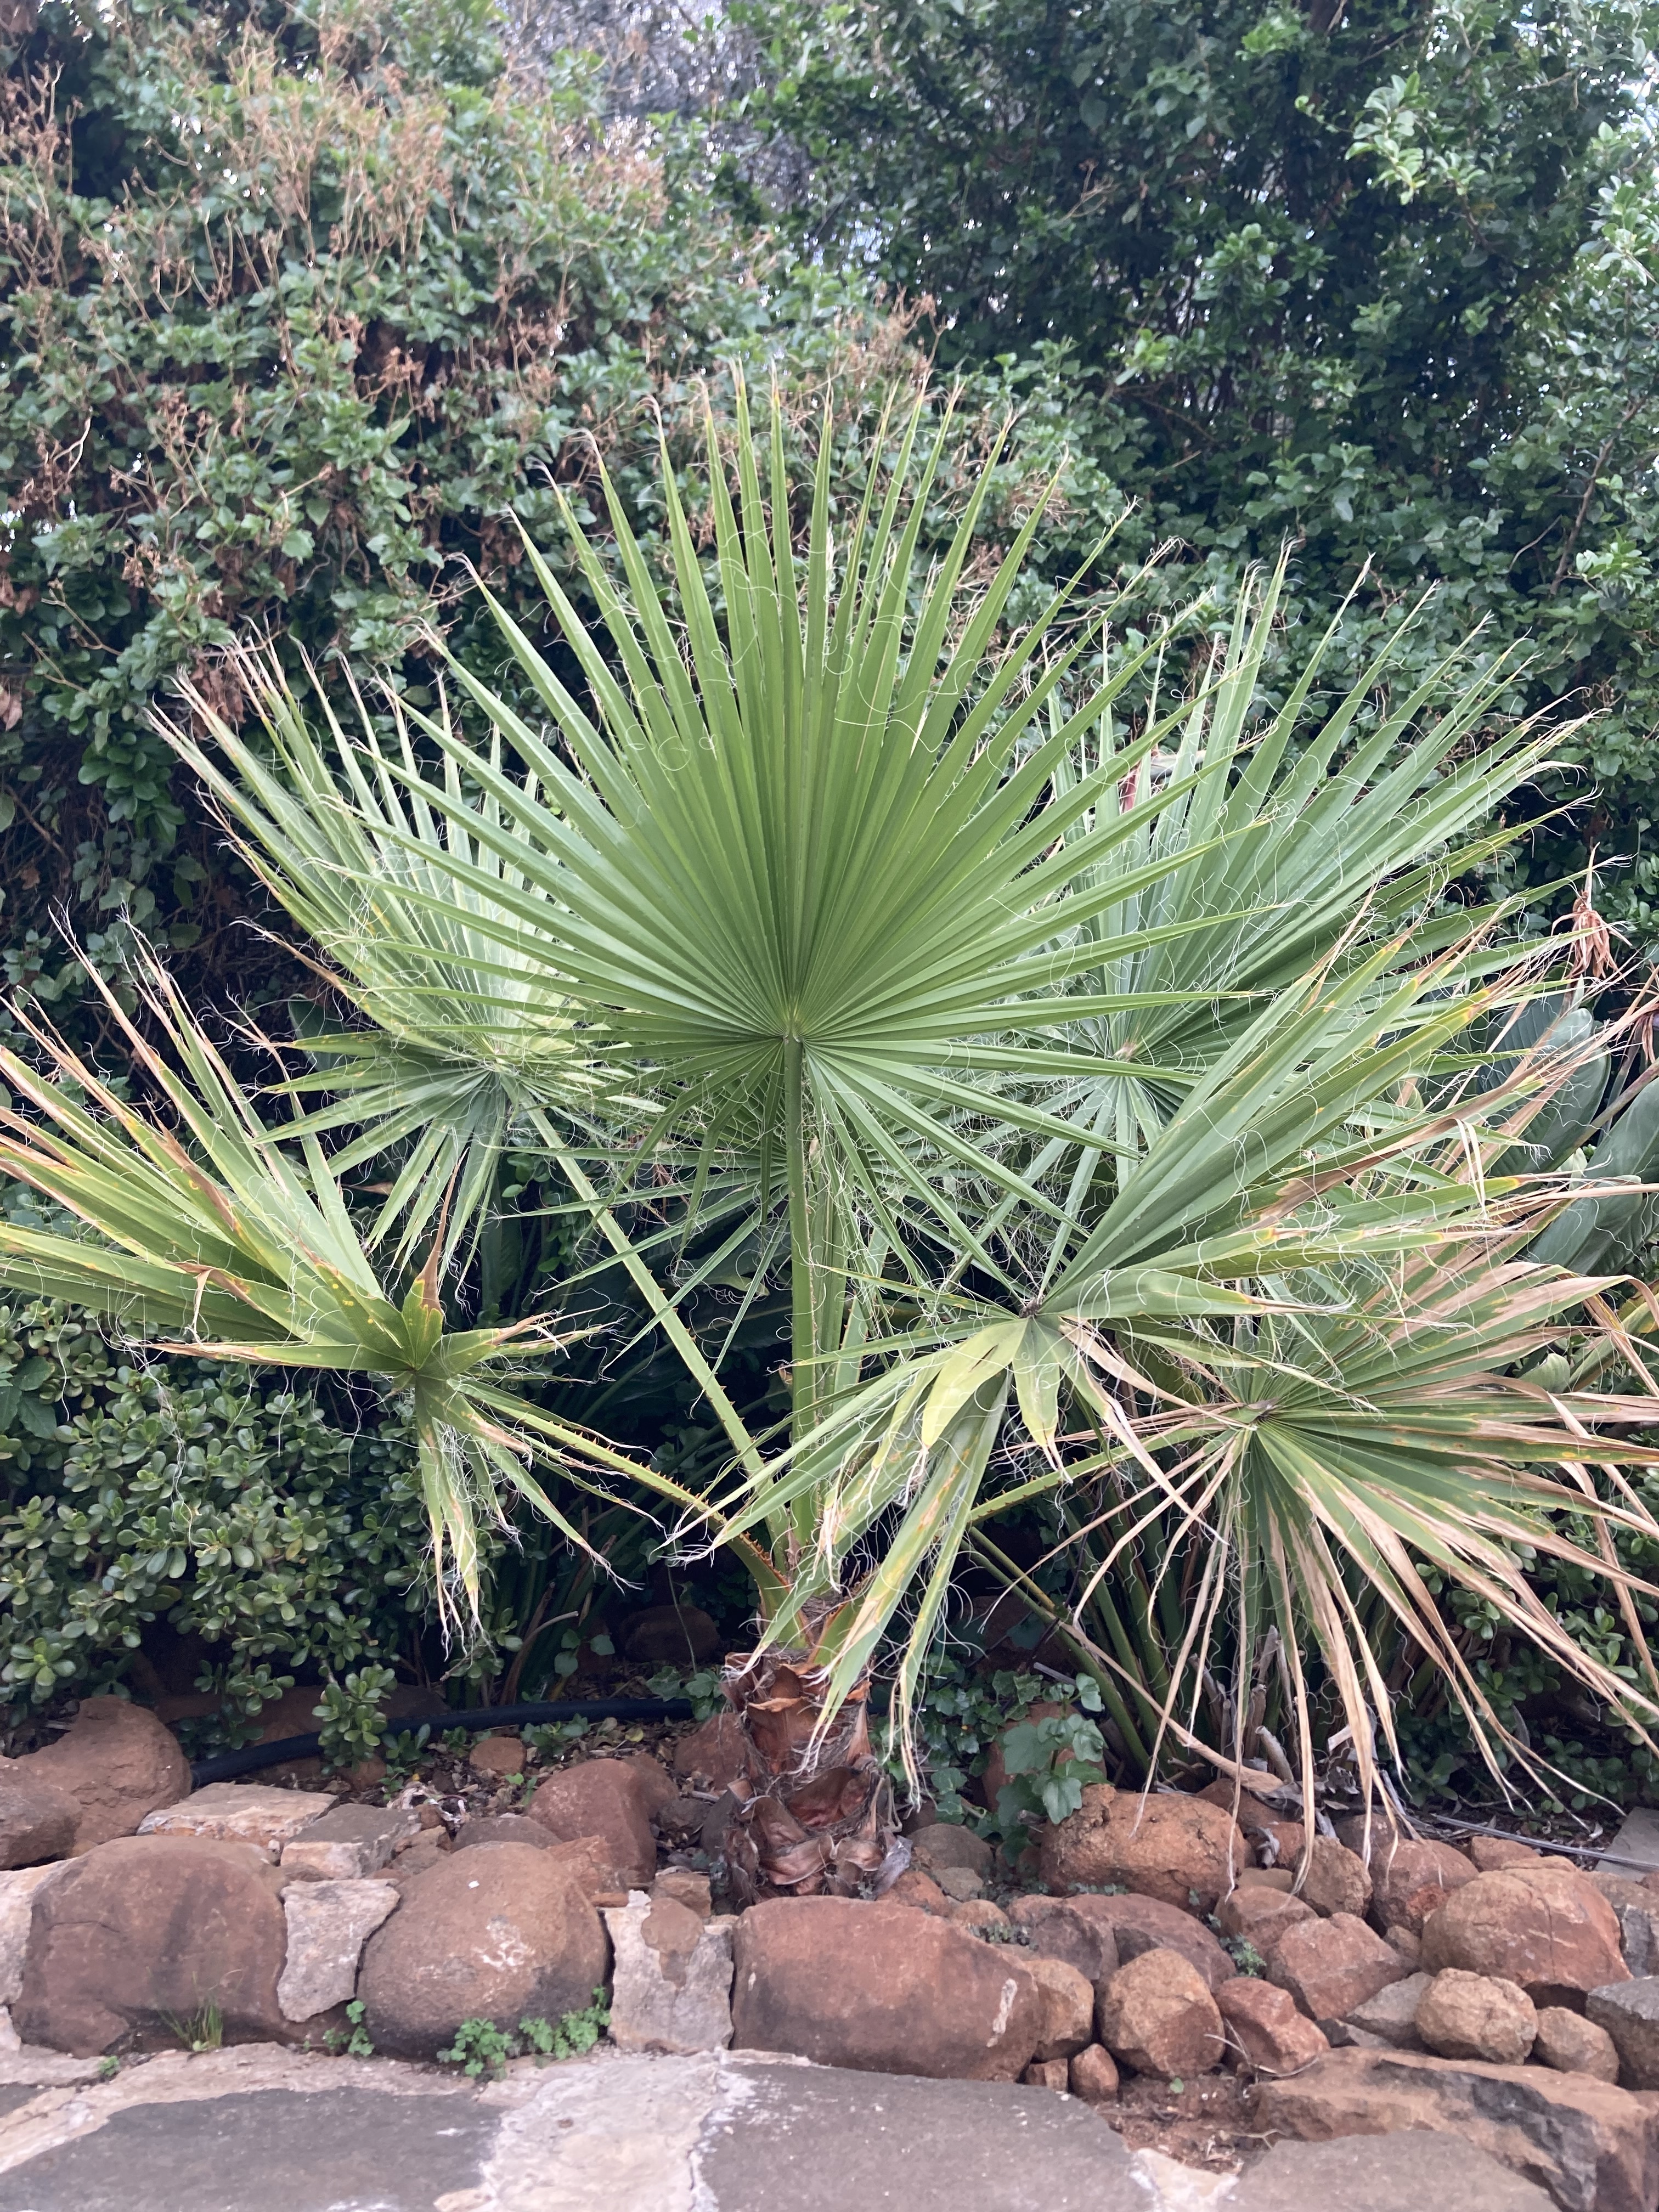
{"points": [[1102, 1097]]}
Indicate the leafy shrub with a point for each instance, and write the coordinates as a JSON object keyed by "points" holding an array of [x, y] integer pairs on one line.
{"points": [[285, 1535], [480, 2047]]}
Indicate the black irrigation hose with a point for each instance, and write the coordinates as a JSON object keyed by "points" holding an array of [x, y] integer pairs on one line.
{"points": [[229, 1764]]}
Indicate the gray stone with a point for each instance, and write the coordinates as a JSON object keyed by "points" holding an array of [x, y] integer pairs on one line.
{"points": [[1637, 1936], [1637, 1839], [506, 1828], [258, 2130], [959, 1884], [1391, 2014], [1630, 2013], [328, 1924], [351, 1842], [816, 2140], [1384, 2174], [671, 1981], [17, 1892], [239, 1813]]}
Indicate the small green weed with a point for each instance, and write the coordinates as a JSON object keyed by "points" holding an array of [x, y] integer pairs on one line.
{"points": [[350, 2042], [108, 2068], [480, 2047], [198, 2030], [1245, 1954]]}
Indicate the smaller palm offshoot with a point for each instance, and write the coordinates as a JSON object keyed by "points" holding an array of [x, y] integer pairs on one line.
{"points": [[201, 1235], [1106, 1103]]}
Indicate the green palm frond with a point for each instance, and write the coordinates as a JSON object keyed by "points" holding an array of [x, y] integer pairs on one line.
{"points": [[204, 1236]]}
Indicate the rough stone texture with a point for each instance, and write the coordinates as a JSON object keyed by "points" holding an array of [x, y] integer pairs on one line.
{"points": [[501, 1828], [143, 1932], [1629, 2011], [880, 1989], [1398, 2174], [606, 1798], [672, 1633], [1068, 2008], [1176, 1849], [1260, 1916], [241, 1813], [1266, 2031], [1488, 1853], [671, 1985], [497, 1756], [1135, 1925], [1572, 2044], [1047, 2074], [117, 1763], [495, 1935], [1093, 2075], [591, 1863], [1408, 1943], [1477, 2016], [328, 1924], [1155, 2015], [18, 1889], [959, 1884], [1391, 2014], [1402, 1871], [1057, 1928], [428, 1850], [713, 1756], [351, 1842], [687, 1887], [921, 1892], [1337, 1881], [1544, 1927], [1594, 2148], [1281, 1880], [1331, 1965], [944, 1843], [982, 1914], [37, 1818]]}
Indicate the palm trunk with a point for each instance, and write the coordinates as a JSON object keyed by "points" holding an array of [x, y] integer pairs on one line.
{"points": [[818, 1819]]}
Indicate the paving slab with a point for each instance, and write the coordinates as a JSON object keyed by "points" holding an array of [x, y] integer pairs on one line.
{"points": [[1384, 2174], [259, 2129]]}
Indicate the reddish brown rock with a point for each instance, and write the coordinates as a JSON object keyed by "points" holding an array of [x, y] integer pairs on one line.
{"points": [[1094, 2075], [510, 1828], [591, 1863], [679, 1634], [1488, 1853], [938, 1846], [980, 1913], [1278, 1878], [1129, 1925], [501, 1935], [1047, 2074], [1178, 1849], [1477, 2016], [37, 1819], [1331, 1965], [1572, 2044], [1068, 2008], [607, 1798], [1593, 2148], [1060, 1928], [1408, 1943], [495, 1757], [1409, 1880], [687, 1887], [881, 1989], [1544, 1927], [1261, 1915], [920, 1890], [713, 1756], [1336, 1881], [115, 1763], [146, 1932], [1155, 2015], [1266, 2031]]}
